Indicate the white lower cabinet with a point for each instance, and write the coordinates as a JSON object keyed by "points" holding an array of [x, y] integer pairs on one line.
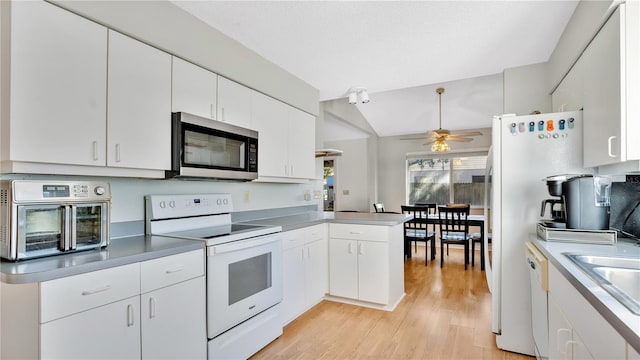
{"points": [[576, 329], [365, 263], [305, 270], [102, 314], [173, 321], [109, 332]]}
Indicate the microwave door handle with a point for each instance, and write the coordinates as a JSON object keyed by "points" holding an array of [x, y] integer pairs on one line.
{"points": [[72, 225]]}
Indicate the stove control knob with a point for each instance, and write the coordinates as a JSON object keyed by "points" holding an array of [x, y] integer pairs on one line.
{"points": [[226, 201], [99, 190], [163, 204], [172, 204], [219, 201]]}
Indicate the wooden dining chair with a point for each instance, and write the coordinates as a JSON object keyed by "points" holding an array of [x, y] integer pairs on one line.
{"points": [[454, 229], [378, 207], [418, 229]]}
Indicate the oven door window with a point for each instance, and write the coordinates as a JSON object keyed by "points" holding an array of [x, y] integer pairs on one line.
{"points": [[248, 277], [214, 149], [90, 222], [41, 229]]}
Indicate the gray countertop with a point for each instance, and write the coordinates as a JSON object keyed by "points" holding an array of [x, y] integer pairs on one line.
{"points": [[120, 251], [620, 317], [296, 221]]}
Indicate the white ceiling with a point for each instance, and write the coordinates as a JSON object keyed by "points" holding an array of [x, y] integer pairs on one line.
{"points": [[390, 45]]}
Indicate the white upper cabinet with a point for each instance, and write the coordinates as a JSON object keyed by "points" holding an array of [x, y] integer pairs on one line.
{"points": [[286, 139], [302, 144], [270, 120], [611, 83], [139, 105], [234, 103], [193, 89], [57, 86]]}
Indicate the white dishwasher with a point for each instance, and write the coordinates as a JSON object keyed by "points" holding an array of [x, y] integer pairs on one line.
{"points": [[539, 274]]}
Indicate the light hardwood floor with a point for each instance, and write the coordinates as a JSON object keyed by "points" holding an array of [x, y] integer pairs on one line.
{"points": [[446, 314]]}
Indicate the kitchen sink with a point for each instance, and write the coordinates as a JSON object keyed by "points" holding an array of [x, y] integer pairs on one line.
{"points": [[619, 276]]}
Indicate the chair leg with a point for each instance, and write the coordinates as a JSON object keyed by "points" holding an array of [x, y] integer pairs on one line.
{"points": [[441, 253], [473, 252], [426, 250], [433, 248], [447, 249], [415, 247], [466, 255]]}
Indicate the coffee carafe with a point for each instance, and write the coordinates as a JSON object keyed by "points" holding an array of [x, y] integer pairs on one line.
{"points": [[587, 199], [557, 215]]}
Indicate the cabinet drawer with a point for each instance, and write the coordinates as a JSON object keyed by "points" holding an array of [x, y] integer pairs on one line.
{"points": [[298, 237], [73, 294], [169, 270], [359, 232]]}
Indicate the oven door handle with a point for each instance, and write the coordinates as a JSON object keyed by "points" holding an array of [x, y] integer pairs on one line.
{"points": [[242, 244], [72, 224]]}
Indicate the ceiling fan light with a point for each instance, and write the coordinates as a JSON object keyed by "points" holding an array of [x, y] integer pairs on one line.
{"points": [[440, 146], [353, 98], [364, 96]]}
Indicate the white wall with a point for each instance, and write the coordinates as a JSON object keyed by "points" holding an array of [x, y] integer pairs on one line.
{"points": [[352, 179], [525, 89], [168, 27]]}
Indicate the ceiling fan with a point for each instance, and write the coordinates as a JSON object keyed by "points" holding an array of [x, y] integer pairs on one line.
{"points": [[438, 138]]}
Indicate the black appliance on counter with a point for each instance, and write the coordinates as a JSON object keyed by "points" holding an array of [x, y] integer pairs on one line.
{"points": [[625, 212]]}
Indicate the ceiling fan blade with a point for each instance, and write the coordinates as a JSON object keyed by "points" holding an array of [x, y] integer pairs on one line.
{"points": [[430, 142], [467, 133], [457, 139], [415, 138]]}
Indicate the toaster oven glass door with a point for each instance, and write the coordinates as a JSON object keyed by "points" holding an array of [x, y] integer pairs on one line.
{"points": [[41, 230], [90, 225]]}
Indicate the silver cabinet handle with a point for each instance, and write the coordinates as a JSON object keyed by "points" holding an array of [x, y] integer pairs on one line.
{"points": [[308, 253], [212, 111], [130, 315], [350, 248], [222, 114], [95, 150], [174, 270], [152, 308], [96, 290], [117, 152], [610, 147], [361, 249]]}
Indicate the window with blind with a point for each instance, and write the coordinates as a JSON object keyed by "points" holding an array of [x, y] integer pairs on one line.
{"points": [[454, 178]]}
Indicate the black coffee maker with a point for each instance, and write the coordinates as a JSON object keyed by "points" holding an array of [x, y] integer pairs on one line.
{"points": [[557, 215]]}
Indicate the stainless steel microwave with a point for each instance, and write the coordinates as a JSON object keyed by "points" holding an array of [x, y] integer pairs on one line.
{"points": [[205, 148], [42, 218]]}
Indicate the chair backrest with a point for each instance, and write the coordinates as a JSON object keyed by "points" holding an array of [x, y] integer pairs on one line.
{"points": [[378, 207], [453, 219], [420, 215]]}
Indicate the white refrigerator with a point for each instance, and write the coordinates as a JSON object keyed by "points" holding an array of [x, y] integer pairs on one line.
{"points": [[525, 150]]}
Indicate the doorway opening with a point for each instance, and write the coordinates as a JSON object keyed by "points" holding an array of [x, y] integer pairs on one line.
{"points": [[329, 185]]}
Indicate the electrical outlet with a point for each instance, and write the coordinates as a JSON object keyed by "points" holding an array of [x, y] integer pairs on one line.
{"points": [[307, 195], [345, 192], [317, 194], [246, 196], [633, 178]]}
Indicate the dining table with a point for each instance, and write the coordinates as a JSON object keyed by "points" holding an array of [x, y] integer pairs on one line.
{"points": [[473, 220]]}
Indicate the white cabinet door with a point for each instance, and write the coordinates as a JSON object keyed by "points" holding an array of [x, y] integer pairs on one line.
{"points": [[560, 333], [139, 105], [603, 96], [373, 271], [302, 144], [193, 89], [316, 270], [343, 268], [173, 321], [293, 285], [234, 103], [270, 120], [108, 332], [57, 87]]}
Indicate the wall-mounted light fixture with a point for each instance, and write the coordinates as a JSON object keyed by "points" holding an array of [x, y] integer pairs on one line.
{"points": [[358, 94]]}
